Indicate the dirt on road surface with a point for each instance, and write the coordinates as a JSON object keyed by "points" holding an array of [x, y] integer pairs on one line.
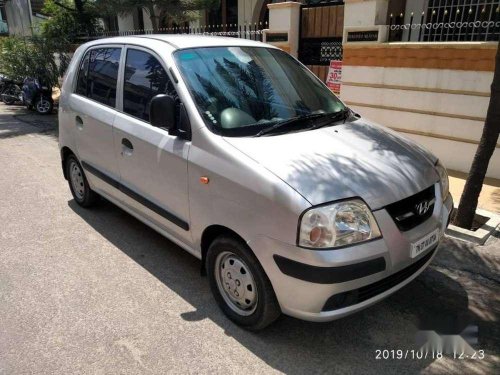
{"points": [[96, 291]]}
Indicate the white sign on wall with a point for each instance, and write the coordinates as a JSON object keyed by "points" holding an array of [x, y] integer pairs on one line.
{"points": [[334, 77]]}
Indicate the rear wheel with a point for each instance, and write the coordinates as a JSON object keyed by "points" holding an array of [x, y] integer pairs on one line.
{"points": [[78, 184], [9, 95], [240, 285]]}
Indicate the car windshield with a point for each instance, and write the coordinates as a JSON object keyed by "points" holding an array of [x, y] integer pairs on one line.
{"points": [[240, 91]]}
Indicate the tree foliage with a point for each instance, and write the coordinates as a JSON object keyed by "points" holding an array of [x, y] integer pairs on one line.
{"points": [[37, 57], [70, 19], [46, 56], [160, 12]]}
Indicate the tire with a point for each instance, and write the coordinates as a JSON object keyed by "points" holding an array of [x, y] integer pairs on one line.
{"points": [[43, 105], [9, 95], [9, 101], [78, 184], [248, 297]]}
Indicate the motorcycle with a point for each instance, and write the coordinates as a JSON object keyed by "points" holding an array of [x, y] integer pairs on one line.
{"points": [[37, 96], [4, 81], [10, 91]]}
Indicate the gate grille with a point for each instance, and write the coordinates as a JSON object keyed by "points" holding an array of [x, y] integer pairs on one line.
{"points": [[321, 29]]}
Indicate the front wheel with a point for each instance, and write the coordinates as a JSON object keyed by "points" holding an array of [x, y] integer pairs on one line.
{"points": [[240, 285], [44, 105]]}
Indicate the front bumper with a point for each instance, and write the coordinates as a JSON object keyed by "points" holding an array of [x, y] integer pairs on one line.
{"points": [[323, 285]]}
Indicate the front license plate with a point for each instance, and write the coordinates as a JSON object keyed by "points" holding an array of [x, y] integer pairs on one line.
{"points": [[424, 243]]}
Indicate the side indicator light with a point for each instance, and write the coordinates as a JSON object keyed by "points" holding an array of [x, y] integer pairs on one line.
{"points": [[204, 180]]}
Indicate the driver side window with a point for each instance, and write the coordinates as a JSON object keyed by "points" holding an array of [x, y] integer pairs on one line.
{"points": [[144, 79]]}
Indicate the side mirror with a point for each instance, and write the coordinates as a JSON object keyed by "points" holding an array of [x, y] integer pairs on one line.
{"points": [[162, 112]]}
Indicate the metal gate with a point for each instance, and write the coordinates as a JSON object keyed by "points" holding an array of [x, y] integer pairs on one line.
{"points": [[321, 29]]}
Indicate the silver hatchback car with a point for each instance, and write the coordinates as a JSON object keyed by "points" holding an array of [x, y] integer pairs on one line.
{"points": [[236, 152]]}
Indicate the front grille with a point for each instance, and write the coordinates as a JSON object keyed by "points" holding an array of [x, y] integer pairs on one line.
{"points": [[405, 213], [356, 296]]}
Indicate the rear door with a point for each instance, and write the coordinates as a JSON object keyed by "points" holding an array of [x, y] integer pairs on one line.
{"points": [[153, 164], [92, 106]]}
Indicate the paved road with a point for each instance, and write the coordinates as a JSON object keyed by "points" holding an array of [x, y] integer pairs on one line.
{"points": [[96, 291]]}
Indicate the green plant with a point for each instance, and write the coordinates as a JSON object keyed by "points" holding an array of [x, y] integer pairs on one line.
{"points": [[43, 58], [70, 19], [160, 12]]}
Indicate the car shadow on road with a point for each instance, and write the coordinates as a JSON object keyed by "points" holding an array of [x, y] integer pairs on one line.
{"points": [[289, 345]]}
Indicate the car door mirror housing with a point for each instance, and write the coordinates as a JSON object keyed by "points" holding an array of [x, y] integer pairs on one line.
{"points": [[162, 112]]}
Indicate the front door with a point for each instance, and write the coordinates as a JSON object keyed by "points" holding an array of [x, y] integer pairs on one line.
{"points": [[152, 163]]}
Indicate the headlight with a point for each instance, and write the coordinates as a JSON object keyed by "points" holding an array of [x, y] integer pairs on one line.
{"points": [[443, 179], [337, 224]]}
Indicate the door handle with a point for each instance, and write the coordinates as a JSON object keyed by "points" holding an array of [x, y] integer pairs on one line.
{"points": [[79, 122], [127, 147]]}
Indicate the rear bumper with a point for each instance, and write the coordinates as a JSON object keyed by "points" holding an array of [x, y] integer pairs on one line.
{"points": [[326, 285]]}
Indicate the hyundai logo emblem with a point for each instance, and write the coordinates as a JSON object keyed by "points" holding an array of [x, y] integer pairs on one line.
{"points": [[423, 207]]}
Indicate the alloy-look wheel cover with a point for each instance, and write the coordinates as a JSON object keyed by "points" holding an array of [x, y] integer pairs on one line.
{"points": [[236, 283]]}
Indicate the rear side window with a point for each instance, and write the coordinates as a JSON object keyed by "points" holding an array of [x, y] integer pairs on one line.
{"points": [[144, 79], [98, 75]]}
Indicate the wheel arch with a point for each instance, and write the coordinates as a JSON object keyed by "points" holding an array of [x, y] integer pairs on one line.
{"points": [[65, 153], [209, 235]]}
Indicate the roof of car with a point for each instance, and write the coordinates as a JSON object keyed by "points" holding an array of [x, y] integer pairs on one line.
{"points": [[179, 41]]}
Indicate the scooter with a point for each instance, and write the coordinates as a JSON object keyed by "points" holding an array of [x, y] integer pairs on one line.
{"points": [[37, 96]]}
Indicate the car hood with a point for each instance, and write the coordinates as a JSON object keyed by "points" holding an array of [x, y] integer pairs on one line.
{"points": [[356, 159]]}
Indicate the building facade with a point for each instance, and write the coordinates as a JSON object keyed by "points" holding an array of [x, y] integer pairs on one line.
{"points": [[21, 17], [228, 12]]}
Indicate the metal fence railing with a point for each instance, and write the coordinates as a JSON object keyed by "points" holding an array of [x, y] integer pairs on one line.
{"points": [[251, 31], [448, 21]]}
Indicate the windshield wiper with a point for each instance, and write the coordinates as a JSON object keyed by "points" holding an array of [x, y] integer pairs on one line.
{"points": [[290, 121], [336, 116]]}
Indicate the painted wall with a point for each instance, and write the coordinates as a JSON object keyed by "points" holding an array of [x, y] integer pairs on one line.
{"points": [[126, 22], [285, 17], [148, 25], [18, 17], [424, 96], [246, 9], [417, 7], [365, 12]]}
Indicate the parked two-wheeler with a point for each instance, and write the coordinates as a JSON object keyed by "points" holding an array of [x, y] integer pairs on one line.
{"points": [[31, 93], [4, 82], [10, 90], [37, 96]]}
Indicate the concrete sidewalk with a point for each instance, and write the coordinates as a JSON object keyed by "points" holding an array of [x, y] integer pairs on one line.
{"points": [[489, 199]]}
